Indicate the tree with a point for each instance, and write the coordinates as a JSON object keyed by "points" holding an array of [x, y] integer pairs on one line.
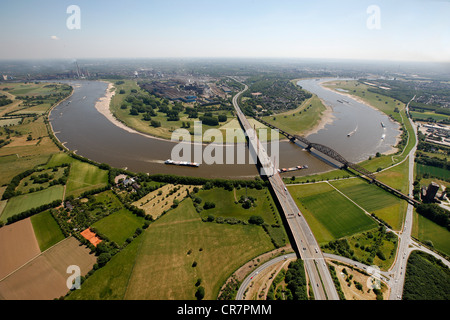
{"points": [[200, 293], [155, 123], [258, 220], [209, 205], [172, 115], [103, 258]]}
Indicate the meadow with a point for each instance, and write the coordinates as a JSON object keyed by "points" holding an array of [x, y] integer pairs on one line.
{"points": [[29, 201], [85, 177], [159, 264], [300, 120], [227, 204], [121, 223], [426, 230]]}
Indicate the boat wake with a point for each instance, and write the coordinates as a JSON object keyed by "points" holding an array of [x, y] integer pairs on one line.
{"points": [[353, 132]]}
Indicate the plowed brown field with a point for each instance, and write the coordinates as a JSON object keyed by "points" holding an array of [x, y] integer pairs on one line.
{"points": [[45, 276], [18, 245]]}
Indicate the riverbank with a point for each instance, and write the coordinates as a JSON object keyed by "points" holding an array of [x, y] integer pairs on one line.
{"points": [[327, 117]]}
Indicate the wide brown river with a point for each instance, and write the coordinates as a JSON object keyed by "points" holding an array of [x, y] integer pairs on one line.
{"points": [[77, 123]]}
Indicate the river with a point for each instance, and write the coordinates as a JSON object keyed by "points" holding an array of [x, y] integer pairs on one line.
{"points": [[81, 128]]}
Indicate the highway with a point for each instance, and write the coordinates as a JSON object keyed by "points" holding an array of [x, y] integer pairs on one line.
{"points": [[405, 243], [308, 248], [306, 243]]}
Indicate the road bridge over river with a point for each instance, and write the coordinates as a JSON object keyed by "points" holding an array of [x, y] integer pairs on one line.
{"points": [[304, 241]]}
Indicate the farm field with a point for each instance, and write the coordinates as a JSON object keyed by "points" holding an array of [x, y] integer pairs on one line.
{"points": [[44, 278], [374, 200], [159, 263], [396, 177], [29, 201], [329, 214], [46, 230], [22, 154], [425, 278], [18, 245]]}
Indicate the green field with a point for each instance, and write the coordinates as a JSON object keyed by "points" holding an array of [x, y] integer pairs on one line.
{"points": [[396, 177], [85, 177], [29, 201], [300, 120], [439, 173], [59, 159], [27, 183], [119, 225], [425, 116], [374, 200], [158, 265], [426, 230], [227, 208], [329, 214], [46, 230]]}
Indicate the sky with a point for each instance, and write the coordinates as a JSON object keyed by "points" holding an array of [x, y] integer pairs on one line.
{"points": [[413, 30]]}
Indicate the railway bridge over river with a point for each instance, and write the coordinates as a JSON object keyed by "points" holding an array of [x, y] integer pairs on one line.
{"points": [[329, 152]]}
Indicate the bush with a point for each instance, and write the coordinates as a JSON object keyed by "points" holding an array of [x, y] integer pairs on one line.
{"points": [[103, 259], [209, 205]]}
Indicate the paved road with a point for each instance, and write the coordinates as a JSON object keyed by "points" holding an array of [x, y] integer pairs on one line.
{"points": [[254, 273], [310, 252], [316, 268], [406, 243]]}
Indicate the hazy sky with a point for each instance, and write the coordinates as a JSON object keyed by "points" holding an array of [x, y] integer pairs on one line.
{"points": [[414, 30]]}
